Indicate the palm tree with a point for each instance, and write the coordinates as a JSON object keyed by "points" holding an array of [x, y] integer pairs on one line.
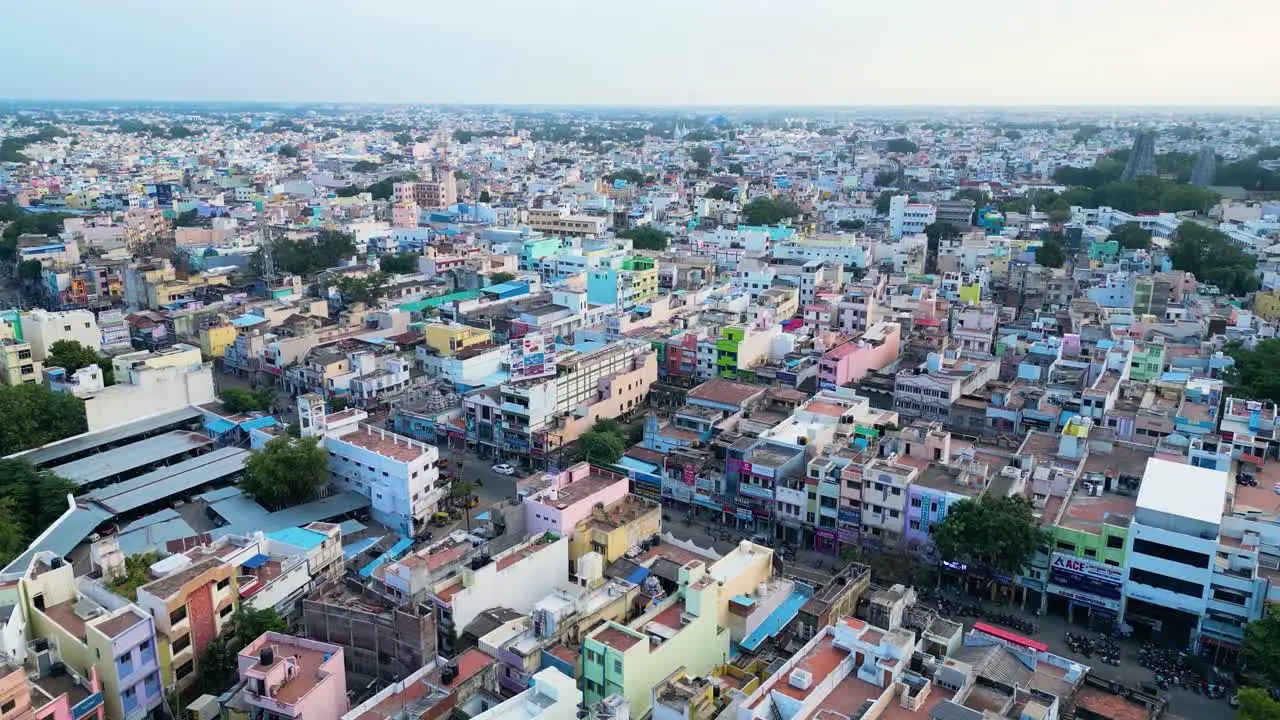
{"points": [[461, 491]]}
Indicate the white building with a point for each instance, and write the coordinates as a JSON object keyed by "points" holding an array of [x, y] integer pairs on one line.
{"points": [[400, 476], [906, 218], [1172, 545], [147, 383], [42, 329], [552, 696]]}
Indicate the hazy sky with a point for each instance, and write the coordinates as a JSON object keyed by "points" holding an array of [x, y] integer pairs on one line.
{"points": [[757, 52]]}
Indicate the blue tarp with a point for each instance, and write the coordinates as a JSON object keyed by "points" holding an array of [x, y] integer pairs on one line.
{"points": [[256, 561], [256, 423], [219, 426], [638, 575]]}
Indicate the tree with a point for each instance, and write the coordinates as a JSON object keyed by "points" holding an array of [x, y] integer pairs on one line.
{"points": [[999, 533], [365, 166], [937, 232], [366, 290], [399, 263], [1013, 134], [30, 271], [901, 145], [646, 237], [34, 415], [887, 178], [1051, 253], [630, 176], [1256, 374], [736, 168], [882, 200], [348, 191], [500, 277], [1214, 259], [980, 199], [601, 447], [718, 192], [403, 138], [286, 472], [236, 400], [768, 211], [701, 156], [1131, 236], [305, 256], [39, 496], [71, 356], [485, 197], [219, 662], [1256, 704], [177, 132], [288, 151], [187, 219], [850, 225]]}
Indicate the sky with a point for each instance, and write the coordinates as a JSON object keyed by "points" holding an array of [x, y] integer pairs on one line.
{"points": [[646, 52]]}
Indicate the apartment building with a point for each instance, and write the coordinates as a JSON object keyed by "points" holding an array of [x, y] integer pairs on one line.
{"points": [[850, 361], [43, 328], [516, 578], [631, 659], [569, 497], [432, 194], [612, 530], [290, 677], [18, 365], [400, 476], [191, 604], [634, 281], [559, 221], [929, 391], [81, 624]]}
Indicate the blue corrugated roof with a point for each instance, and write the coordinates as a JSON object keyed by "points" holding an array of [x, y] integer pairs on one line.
{"points": [[219, 426], [357, 547], [638, 574], [392, 554], [350, 527]]}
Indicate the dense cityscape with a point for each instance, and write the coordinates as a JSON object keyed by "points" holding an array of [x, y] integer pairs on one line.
{"points": [[407, 412]]}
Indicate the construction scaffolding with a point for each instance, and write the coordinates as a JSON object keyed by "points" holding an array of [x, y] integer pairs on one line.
{"points": [[379, 639]]}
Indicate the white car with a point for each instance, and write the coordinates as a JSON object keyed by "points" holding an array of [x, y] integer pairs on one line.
{"points": [[503, 469]]}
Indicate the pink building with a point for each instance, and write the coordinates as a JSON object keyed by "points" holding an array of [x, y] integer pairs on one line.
{"points": [[851, 361], [404, 215], [48, 697], [290, 677], [569, 496]]}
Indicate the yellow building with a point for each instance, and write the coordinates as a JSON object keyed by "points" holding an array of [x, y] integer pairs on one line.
{"points": [[164, 292], [215, 339], [17, 366], [613, 529], [448, 340], [971, 294], [1266, 305]]}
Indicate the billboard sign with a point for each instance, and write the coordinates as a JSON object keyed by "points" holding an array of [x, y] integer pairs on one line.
{"points": [[533, 356], [1085, 581]]}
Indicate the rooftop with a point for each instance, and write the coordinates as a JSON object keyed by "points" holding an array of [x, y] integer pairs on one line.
{"points": [[1183, 490], [386, 443], [578, 490], [121, 460], [725, 392], [170, 584], [617, 638]]}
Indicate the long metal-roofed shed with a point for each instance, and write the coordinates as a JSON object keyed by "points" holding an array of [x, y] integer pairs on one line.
{"points": [[81, 446], [129, 461], [329, 508], [222, 466], [63, 536]]}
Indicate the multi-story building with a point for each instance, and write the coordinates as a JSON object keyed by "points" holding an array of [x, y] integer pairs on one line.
{"points": [[42, 329], [614, 529], [290, 677], [631, 659], [908, 218], [850, 361], [79, 623], [48, 697], [516, 579], [739, 348], [18, 365], [559, 221], [191, 604], [400, 476], [1172, 548], [569, 498], [439, 193], [886, 487], [929, 391], [450, 339], [633, 282]]}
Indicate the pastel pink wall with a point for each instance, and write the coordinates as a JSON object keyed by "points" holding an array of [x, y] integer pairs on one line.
{"points": [[540, 516]]}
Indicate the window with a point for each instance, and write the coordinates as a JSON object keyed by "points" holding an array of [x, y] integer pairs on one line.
{"points": [[225, 612], [1066, 547], [178, 615], [145, 646], [181, 644], [183, 670], [1112, 563], [1165, 582], [8, 706], [915, 502], [1115, 541], [1090, 553], [224, 583], [1171, 553], [617, 666]]}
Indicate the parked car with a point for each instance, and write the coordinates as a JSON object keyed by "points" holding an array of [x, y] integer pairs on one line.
{"points": [[503, 469]]}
